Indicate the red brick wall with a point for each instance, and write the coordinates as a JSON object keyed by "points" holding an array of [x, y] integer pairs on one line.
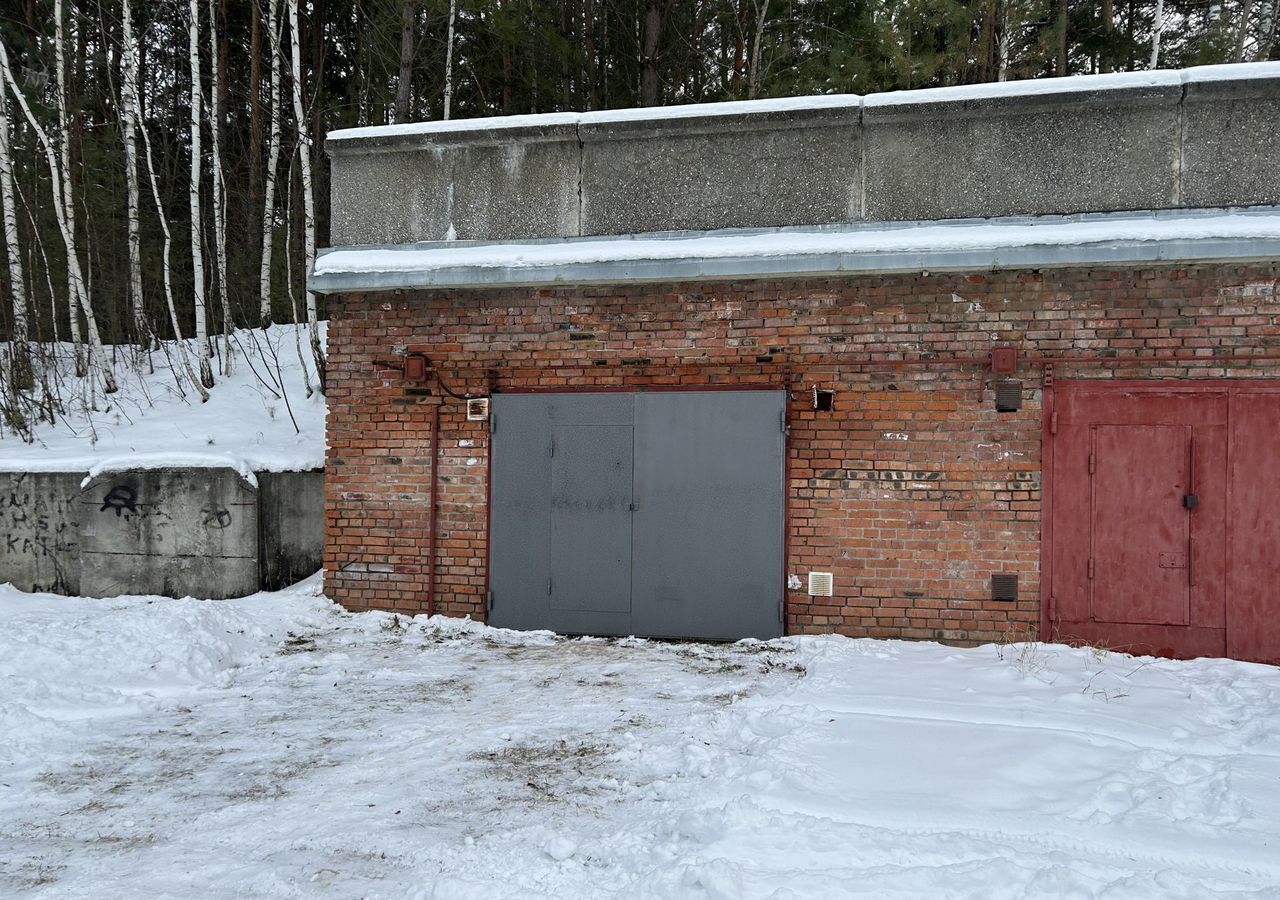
{"points": [[913, 491]]}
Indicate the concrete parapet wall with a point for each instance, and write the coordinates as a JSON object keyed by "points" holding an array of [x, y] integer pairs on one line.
{"points": [[1230, 148], [204, 532], [504, 185], [1157, 140], [753, 170], [1023, 155]]}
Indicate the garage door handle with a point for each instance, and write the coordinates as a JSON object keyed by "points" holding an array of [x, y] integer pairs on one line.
{"points": [[1191, 501]]}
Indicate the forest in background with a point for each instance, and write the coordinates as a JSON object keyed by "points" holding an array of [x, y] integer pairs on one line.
{"points": [[161, 161]]}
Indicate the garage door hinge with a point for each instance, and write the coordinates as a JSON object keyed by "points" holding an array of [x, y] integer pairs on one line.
{"points": [[1093, 462], [1090, 566], [1053, 423], [551, 448], [782, 610], [493, 423], [491, 601], [549, 587], [782, 421]]}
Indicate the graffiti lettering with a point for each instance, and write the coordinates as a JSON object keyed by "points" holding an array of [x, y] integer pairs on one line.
{"points": [[120, 498], [216, 517]]}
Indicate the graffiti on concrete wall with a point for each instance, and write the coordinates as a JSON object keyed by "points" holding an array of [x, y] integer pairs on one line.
{"points": [[35, 525], [40, 535], [120, 498], [215, 517]]}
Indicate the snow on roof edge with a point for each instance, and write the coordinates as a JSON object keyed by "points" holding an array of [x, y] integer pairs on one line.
{"points": [[941, 236], [957, 93], [599, 117]]}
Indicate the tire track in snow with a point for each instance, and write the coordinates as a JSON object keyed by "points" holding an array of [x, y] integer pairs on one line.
{"points": [[1173, 749], [1170, 853]]}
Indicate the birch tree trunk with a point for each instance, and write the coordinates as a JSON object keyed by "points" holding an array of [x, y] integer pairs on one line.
{"points": [[60, 205], [197, 250], [20, 361], [288, 281], [1156, 31], [129, 117], [75, 286], [308, 198], [1242, 32], [273, 157], [1003, 45], [448, 60], [219, 190], [167, 267], [1266, 31]]}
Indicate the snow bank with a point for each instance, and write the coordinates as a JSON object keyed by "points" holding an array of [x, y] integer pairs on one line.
{"points": [[156, 420], [68, 662]]}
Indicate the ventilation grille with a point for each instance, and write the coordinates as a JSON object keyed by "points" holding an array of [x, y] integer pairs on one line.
{"points": [[1004, 587], [821, 584], [1008, 396], [478, 409]]}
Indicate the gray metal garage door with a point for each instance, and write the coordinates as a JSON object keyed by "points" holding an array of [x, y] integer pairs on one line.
{"points": [[655, 514]]}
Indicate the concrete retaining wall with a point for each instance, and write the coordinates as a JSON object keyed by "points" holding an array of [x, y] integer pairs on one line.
{"points": [[41, 531], [172, 532], [1098, 144], [290, 527]]}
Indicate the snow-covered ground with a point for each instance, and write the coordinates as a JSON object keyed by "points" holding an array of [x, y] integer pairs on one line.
{"points": [[279, 747], [250, 422]]}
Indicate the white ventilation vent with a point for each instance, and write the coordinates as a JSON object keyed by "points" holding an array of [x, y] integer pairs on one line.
{"points": [[478, 409], [821, 584]]}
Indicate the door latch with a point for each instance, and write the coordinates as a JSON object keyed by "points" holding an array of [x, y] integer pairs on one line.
{"points": [[1191, 501]]}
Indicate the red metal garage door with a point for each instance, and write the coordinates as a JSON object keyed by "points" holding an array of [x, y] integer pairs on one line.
{"points": [[1160, 517], [1253, 588]]}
